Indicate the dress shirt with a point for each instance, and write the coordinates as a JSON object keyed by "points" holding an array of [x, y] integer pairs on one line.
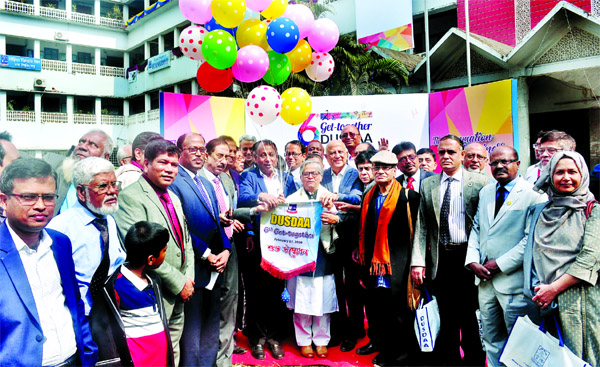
{"points": [[336, 180], [508, 187], [533, 172], [77, 224], [351, 161], [70, 198], [417, 182], [456, 218], [272, 183], [45, 282], [220, 187], [207, 252]]}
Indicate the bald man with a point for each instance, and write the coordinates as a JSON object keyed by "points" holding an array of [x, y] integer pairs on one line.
{"points": [[351, 139], [476, 157]]}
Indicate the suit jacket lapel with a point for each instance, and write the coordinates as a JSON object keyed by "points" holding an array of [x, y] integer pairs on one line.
{"points": [[435, 197], [261, 181], [491, 206], [190, 181], [153, 197], [512, 198]]}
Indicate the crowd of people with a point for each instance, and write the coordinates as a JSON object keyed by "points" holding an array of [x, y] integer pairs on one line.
{"points": [[158, 262]]}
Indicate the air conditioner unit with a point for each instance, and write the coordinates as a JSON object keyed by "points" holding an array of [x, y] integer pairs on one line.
{"points": [[39, 83], [60, 36]]}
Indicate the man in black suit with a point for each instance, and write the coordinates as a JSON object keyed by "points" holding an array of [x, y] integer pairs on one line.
{"points": [[410, 174]]}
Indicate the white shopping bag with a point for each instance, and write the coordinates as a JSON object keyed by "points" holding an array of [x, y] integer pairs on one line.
{"points": [[529, 345], [427, 323]]}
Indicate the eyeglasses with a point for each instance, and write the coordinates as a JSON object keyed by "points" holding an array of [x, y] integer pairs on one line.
{"points": [[384, 167], [102, 188], [504, 162], [290, 154], [194, 150], [349, 135], [310, 173], [411, 157], [473, 156], [550, 151], [31, 199], [219, 156]]}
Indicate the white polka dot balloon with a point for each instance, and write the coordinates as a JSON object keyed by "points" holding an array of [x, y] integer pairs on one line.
{"points": [[263, 105], [321, 66], [190, 41], [324, 36]]}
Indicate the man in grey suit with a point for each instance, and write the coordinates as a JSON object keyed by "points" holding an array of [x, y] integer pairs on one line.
{"points": [[411, 174], [448, 206], [496, 245]]}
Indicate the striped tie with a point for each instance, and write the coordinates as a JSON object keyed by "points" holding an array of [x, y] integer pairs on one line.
{"points": [[222, 206]]}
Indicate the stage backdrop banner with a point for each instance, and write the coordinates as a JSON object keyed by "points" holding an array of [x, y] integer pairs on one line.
{"points": [[385, 23], [210, 116], [289, 238], [485, 114], [396, 117]]}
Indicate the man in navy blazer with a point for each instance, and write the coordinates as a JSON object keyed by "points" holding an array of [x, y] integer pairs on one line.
{"points": [[265, 312], [58, 331], [200, 339], [411, 175]]}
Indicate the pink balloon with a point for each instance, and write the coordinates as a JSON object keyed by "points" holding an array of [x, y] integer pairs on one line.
{"points": [[258, 5], [190, 41], [302, 16], [321, 66], [196, 11], [324, 36], [263, 105], [251, 64]]}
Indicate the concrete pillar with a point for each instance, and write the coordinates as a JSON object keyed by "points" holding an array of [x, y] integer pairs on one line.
{"points": [[97, 11], [97, 60], [161, 43], [195, 86], [523, 128], [36, 49], [36, 7], [176, 37], [3, 105], [125, 13], [37, 107], [126, 59], [146, 50], [146, 4], [125, 107], [147, 103], [70, 109], [176, 88], [2, 44], [69, 8], [69, 57], [98, 108]]}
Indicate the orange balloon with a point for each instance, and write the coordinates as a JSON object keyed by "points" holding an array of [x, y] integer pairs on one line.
{"points": [[300, 56]]}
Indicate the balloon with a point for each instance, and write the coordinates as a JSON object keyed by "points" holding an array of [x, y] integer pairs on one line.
{"points": [[275, 10], [279, 68], [213, 80], [282, 35], [300, 56], [196, 11], [190, 41], [212, 25], [252, 32], [219, 49], [251, 64], [296, 106], [258, 5], [302, 16], [321, 66], [228, 13], [263, 105], [324, 36]]}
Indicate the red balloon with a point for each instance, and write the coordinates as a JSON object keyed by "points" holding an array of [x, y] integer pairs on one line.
{"points": [[213, 80]]}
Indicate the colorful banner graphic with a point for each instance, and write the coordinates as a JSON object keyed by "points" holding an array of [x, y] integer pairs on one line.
{"points": [[387, 24], [210, 116], [480, 114], [397, 39], [289, 238]]}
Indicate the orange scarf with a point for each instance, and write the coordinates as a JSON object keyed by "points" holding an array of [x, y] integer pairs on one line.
{"points": [[380, 263]]}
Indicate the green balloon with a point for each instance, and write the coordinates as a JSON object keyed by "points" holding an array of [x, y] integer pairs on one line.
{"points": [[219, 49], [280, 68]]}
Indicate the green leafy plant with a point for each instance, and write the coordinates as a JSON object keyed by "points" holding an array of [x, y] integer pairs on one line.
{"points": [[10, 105], [104, 111], [116, 13], [74, 7], [26, 108], [50, 5]]}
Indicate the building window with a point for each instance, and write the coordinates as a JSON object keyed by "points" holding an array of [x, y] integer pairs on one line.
{"points": [[84, 57], [50, 53]]}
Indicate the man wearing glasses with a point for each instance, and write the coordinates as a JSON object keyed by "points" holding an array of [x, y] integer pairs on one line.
{"points": [[411, 174], [295, 155], [351, 138], [476, 157], [552, 142], [42, 318], [97, 252]]}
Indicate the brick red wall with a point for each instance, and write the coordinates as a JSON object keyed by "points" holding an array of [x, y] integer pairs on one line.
{"points": [[539, 8], [493, 19]]}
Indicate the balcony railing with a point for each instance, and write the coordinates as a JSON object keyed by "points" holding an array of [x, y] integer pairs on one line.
{"points": [[79, 68], [18, 7], [153, 115], [112, 71], [54, 65], [53, 13], [138, 118], [54, 118], [112, 120], [22, 116], [84, 119], [110, 22], [83, 18]]}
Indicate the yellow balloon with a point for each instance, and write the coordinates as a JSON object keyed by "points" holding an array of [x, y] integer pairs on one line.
{"points": [[252, 32], [228, 13], [295, 106], [275, 10], [300, 56]]}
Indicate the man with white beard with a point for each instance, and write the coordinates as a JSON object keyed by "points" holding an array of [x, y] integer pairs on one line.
{"points": [[97, 252]]}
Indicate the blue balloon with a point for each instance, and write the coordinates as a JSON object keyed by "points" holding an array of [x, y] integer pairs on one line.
{"points": [[283, 35], [212, 25]]}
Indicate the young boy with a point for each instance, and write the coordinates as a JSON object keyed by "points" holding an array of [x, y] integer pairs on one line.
{"points": [[132, 307]]}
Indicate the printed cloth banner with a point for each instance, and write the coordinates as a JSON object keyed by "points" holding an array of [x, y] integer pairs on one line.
{"points": [[289, 238]]}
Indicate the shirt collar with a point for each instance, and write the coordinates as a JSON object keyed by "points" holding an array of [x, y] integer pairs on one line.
{"points": [[86, 215], [137, 165], [264, 176], [45, 241], [192, 174], [157, 189], [137, 282], [416, 176], [342, 172], [509, 186], [457, 176], [209, 175]]}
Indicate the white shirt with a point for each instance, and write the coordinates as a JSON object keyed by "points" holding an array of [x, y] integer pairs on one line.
{"points": [[456, 218], [45, 282], [416, 183], [219, 187], [193, 176], [336, 180], [533, 172], [272, 183]]}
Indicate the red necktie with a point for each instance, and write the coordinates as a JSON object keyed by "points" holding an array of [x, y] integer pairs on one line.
{"points": [[410, 183], [173, 221], [222, 206]]}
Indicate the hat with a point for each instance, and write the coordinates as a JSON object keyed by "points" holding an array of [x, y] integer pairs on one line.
{"points": [[385, 157]]}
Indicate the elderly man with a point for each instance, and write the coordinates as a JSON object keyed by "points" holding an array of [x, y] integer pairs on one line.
{"points": [[94, 143], [97, 251], [551, 142], [427, 160], [408, 165], [386, 222], [448, 205], [246, 144], [496, 247], [149, 199], [351, 138], [42, 318], [295, 155], [124, 154], [534, 171], [476, 157], [231, 162], [131, 172]]}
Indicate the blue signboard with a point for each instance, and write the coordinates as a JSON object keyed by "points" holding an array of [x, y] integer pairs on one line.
{"points": [[20, 62], [160, 61]]}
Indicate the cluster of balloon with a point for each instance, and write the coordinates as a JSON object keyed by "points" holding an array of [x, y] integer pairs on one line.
{"points": [[289, 40]]}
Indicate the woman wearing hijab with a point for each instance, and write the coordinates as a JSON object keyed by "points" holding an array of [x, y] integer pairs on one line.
{"points": [[562, 257]]}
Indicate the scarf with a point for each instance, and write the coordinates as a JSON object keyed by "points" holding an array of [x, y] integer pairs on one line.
{"points": [[380, 263], [559, 230]]}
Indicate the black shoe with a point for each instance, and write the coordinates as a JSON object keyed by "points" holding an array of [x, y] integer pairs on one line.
{"points": [[239, 350], [366, 349], [334, 343], [258, 351], [386, 360], [276, 349], [348, 345]]}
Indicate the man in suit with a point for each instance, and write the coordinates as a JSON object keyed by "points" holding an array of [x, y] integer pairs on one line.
{"points": [[149, 199], [496, 246], [266, 315], [448, 205], [246, 144], [295, 155], [408, 164], [42, 321], [344, 185], [130, 172]]}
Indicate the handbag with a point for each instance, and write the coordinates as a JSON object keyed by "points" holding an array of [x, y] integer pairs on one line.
{"points": [[531, 345], [413, 293], [427, 323]]}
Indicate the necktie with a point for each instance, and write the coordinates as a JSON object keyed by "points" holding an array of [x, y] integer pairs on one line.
{"points": [[203, 193], [222, 206], [166, 199], [101, 272], [410, 185], [444, 213], [499, 199]]}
